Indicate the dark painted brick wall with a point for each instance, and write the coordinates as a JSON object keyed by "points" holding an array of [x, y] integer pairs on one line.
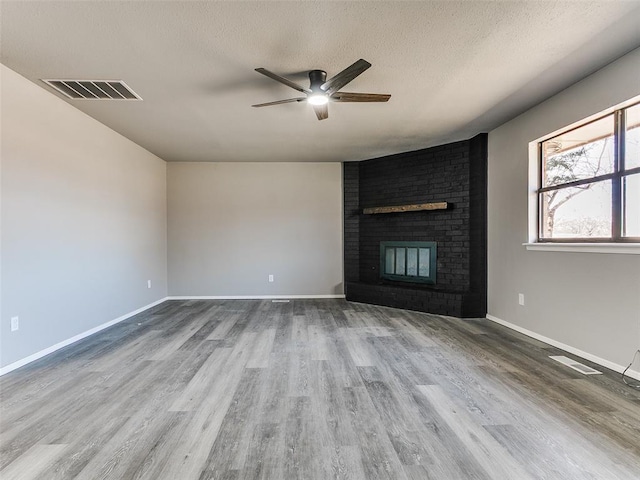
{"points": [[455, 173], [351, 185]]}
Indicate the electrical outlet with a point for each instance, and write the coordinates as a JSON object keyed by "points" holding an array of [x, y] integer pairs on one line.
{"points": [[521, 298], [15, 324], [148, 283], [270, 278]]}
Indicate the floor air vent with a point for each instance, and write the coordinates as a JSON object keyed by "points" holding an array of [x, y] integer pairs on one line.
{"points": [[575, 365], [94, 89]]}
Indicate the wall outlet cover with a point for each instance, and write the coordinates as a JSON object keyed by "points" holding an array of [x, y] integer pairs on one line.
{"points": [[15, 323]]}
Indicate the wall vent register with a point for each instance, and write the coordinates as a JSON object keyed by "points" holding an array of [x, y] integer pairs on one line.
{"points": [[408, 261]]}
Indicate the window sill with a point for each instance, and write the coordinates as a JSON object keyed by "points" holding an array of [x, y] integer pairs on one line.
{"points": [[619, 248]]}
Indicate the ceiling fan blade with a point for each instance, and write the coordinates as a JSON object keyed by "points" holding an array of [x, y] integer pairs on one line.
{"points": [[280, 79], [322, 111], [345, 76], [360, 97], [278, 102]]}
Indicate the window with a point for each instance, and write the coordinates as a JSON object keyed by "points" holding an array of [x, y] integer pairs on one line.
{"points": [[590, 181], [408, 261]]}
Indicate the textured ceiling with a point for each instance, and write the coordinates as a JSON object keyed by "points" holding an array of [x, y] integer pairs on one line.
{"points": [[453, 68]]}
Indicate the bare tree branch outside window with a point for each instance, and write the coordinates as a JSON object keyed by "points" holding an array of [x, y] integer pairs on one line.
{"points": [[568, 166]]}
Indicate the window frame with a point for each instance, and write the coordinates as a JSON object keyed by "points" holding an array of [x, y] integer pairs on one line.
{"points": [[616, 178]]}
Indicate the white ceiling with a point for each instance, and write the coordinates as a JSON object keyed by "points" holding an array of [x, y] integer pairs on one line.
{"points": [[453, 68]]}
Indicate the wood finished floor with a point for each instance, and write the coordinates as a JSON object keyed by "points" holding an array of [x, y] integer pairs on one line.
{"points": [[312, 389]]}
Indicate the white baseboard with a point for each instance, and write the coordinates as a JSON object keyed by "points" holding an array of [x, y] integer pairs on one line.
{"points": [[31, 358], [568, 348], [250, 297]]}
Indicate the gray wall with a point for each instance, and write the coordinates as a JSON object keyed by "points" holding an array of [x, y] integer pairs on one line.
{"points": [[588, 301], [83, 214], [233, 224]]}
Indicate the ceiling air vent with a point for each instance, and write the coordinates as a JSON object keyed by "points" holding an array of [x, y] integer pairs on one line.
{"points": [[94, 89]]}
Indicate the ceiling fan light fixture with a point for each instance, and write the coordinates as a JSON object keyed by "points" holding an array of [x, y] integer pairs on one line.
{"points": [[317, 99]]}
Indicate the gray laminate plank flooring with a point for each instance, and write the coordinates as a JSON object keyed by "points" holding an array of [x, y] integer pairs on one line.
{"points": [[312, 389]]}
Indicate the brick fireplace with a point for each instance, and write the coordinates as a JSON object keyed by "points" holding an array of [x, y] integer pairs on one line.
{"points": [[453, 175]]}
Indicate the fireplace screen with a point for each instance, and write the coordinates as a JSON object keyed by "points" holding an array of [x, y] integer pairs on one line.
{"points": [[408, 261]]}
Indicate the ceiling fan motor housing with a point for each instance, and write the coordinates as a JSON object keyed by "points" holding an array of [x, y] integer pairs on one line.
{"points": [[317, 78]]}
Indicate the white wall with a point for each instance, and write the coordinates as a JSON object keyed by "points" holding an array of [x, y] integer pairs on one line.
{"points": [[233, 224], [588, 301], [83, 214]]}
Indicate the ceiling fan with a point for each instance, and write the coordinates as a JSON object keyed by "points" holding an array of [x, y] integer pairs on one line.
{"points": [[322, 91]]}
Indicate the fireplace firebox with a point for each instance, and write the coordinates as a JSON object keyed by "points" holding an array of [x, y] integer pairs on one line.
{"points": [[413, 262]]}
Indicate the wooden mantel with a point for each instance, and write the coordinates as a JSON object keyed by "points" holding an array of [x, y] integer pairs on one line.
{"points": [[406, 208]]}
